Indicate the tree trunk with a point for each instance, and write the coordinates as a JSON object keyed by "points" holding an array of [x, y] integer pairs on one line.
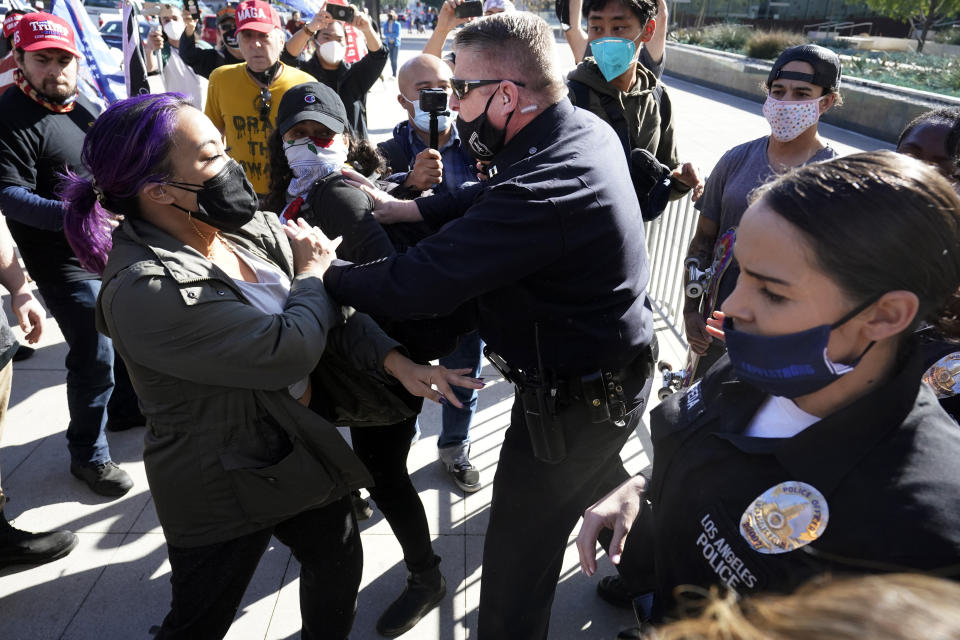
{"points": [[929, 19]]}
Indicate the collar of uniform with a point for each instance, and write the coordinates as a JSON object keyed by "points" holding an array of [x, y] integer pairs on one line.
{"points": [[824, 453], [528, 140]]}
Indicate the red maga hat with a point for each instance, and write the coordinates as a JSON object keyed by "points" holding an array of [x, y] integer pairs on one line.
{"points": [[257, 15], [38, 31]]}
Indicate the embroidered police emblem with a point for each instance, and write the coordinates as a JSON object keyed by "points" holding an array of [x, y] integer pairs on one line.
{"points": [[309, 98], [944, 376], [785, 517]]}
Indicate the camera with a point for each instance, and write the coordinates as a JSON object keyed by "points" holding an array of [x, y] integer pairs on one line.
{"points": [[343, 13], [469, 9], [433, 100]]}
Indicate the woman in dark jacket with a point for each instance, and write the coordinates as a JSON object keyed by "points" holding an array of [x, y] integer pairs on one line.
{"points": [[308, 150], [221, 316], [812, 446]]}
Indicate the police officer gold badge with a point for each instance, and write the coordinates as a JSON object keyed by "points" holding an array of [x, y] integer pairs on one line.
{"points": [[785, 517]]}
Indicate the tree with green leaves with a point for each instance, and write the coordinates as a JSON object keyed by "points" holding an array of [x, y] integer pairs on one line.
{"points": [[922, 14]]}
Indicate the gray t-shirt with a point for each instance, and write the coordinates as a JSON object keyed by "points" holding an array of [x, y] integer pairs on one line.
{"points": [[741, 170]]}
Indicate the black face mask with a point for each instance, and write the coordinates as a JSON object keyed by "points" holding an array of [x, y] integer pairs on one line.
{"points": [[230, 38], [483, 140], [226, 201]]}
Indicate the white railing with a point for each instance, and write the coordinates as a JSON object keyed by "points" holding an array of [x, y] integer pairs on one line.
{"points": [[668, 238]]}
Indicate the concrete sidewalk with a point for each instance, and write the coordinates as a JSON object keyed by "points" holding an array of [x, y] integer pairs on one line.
{"points": [[115, 584]]}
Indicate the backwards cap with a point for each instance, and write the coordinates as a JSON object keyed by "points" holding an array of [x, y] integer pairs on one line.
{"points": [[825, 63]]}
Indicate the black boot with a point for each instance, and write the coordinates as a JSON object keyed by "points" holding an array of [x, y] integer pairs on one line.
{"points": [[425, 589], [23, 547]]}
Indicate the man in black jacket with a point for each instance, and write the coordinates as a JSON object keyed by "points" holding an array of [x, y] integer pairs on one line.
{"points": [[352, 82], [551, 249]]}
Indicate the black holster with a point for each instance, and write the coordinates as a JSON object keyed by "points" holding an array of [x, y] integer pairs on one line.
{"points": [[544, 423]]}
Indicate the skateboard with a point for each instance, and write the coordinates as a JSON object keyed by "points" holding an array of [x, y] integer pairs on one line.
{"points": [[703, 284]]}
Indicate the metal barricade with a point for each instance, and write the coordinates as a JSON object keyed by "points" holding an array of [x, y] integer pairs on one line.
{"points": [[668, 238]]}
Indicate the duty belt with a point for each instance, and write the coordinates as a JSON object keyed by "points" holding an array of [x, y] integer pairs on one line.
{"points": [[601, 392]]}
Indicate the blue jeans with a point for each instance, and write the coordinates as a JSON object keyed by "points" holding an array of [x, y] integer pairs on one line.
{"points": [[393, 49], [456, 422], [89, 365]]}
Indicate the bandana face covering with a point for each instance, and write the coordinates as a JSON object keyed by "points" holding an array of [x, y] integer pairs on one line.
{"points": [[57, 107], [311, 159], [789, 119]]}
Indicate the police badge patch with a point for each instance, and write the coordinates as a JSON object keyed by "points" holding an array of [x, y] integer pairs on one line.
{"points": [[785, 517]]}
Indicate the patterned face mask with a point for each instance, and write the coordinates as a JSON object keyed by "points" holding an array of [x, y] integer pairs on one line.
{"points": [[311, 159], [789, 119]]}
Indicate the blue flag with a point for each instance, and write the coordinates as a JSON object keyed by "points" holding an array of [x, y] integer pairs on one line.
{"points": [[307, 8], [100, 77]]}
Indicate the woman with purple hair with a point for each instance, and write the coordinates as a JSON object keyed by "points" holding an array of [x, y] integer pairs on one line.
{"points": [[221, 316]]}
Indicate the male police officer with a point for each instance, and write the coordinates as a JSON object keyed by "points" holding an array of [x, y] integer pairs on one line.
{"points": [[552, 251]]}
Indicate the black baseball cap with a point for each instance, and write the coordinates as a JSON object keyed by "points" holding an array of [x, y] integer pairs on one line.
{"points": [[825, 63], [311, 101]]}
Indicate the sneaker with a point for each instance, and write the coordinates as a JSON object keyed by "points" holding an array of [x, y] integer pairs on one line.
{"points": [[424, 591], [23, 547], [361, 507], [614, 590], [456, 461], [105, 478]]}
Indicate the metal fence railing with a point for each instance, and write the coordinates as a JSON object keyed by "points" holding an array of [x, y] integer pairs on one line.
{"points": [[668, 238]]}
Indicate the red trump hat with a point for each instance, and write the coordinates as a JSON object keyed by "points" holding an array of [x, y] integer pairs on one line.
{"points": [[38, 31], [10, 24], [257, 15]]}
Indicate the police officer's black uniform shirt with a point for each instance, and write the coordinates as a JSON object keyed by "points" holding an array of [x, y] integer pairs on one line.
{"points": [[554, 238], [885, 466], [36, 146]]}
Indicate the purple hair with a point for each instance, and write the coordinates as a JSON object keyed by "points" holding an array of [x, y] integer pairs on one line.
{"points": [[127, 147]]}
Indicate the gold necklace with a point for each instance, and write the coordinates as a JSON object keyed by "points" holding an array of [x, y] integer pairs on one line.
{"points": [[207, 243]]}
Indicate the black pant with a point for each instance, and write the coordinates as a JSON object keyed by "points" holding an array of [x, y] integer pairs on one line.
{"points": [[384, 452], [535, 506], [209, 581]]}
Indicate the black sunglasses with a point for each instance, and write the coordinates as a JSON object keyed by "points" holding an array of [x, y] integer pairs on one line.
{"points": [[263, 103], [462, 87]]}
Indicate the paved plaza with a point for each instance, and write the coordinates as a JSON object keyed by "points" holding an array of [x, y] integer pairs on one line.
{"points": [[115, 584]]}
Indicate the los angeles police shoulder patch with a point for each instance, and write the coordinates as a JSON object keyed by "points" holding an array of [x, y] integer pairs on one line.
{"points": [[785, 517]]}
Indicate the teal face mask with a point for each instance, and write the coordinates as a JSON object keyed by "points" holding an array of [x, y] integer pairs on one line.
{"points": [[613, 55]]}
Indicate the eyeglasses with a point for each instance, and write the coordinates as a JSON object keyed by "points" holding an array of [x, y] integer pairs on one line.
{"points": [[263, 102], [462, 87]]}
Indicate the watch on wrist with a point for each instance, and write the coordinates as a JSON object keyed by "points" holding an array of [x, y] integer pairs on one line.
{"points": [[308, 31]]}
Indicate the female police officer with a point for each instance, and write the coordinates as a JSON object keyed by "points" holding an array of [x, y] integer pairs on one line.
{"points": [[812, 446]]}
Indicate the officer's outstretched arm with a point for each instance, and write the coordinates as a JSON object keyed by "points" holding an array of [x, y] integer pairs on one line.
{"points": [[617, 510]]}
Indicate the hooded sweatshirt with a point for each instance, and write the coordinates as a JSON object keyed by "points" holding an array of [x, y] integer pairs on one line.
{"points": [[649, 123]]}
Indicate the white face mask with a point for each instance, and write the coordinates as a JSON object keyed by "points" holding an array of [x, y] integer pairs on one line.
{"points": [[421, 118], [332, 52], [174, 29], [789, 119], [309, 161]]}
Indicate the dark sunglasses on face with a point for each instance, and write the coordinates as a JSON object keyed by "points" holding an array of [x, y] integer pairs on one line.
{"points": [[462, 87]]}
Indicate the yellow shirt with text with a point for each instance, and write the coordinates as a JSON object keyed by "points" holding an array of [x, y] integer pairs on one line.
{"points": [[233, 104]]}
